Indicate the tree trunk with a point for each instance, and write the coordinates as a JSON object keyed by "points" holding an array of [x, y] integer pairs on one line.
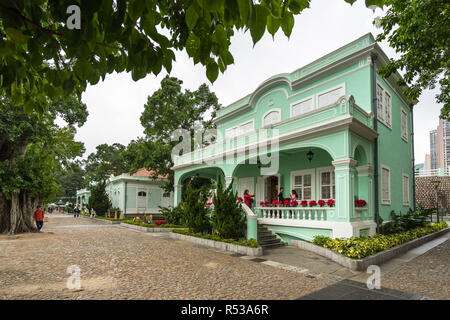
{"points": [[20, 220], [5, 211]]}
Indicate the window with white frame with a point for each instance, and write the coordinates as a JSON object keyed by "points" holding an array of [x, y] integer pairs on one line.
{"points": [[142, 199], [271, 117], [240, 129], [384, 106], [302, 107], [330, 96], [385, 185], [405, 183], [327, 184], [404, 125], [302, 183]]}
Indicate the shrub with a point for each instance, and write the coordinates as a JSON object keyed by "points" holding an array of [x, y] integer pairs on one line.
{"points": [[357, 248], [173, 215], [252, 243], [195, 212], [401, 223], [228, 217], [99, 200]]}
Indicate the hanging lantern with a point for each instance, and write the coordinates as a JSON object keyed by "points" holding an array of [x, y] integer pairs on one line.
{"points": [[310, 155]]}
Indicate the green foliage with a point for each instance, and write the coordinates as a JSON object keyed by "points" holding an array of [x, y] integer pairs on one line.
{"points": [[99, 200], [41, 58], [408, 221], [150, 225], [71, 178], [195, 212], [106, 161], [419, 31], [173, 215], [241, 242], [358, 248], [228, 217]]}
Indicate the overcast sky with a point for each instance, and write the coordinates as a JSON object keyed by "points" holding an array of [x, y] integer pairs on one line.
{"points": [[116, 104]]}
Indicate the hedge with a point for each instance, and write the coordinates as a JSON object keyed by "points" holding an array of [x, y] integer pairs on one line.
{"points": [[252, 243], [153, 225], [358, 248]]}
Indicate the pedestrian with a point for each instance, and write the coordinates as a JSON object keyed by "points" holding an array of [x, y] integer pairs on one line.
{"points": [[294, 195], [78, 212], [280, 195], [38, 216], [248, 198], [75, 211]]}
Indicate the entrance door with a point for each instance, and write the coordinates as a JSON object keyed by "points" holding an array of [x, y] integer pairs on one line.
{"points": [[271, 187]]}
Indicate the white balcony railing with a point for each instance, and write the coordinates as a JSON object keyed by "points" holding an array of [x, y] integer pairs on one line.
{"points": [[441, 172], [293, 213]]}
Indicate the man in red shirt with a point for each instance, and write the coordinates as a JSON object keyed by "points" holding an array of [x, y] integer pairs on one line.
{"points": [[38, 216]]}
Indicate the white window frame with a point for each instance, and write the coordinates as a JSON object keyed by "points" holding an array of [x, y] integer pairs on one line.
{"points": [[313, 181], [404, 129], [332, 177], [228, 136], [278, 110], [385, 201], [316, 104], [382, 115], [312, 98], [405, 203], [138, 190]]}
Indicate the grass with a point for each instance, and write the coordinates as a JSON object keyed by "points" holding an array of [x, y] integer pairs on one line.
{"points": [[252, 243]]}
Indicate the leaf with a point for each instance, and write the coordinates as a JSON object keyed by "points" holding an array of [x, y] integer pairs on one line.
{"points": [[191, 17], [212, 71], [192, 44], [244, 10], [258, 24], [273, 24], [287, 23], [16, 35]]}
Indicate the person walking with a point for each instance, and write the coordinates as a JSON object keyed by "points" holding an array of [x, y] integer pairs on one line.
{"points": [[38, 216], [248, 199]]}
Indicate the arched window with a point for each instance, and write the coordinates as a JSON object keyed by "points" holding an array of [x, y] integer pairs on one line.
{"points": [[142, 194], [271, 117]]}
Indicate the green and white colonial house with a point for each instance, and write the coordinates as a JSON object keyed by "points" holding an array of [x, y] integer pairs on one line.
{"points": [[333, 129], [133, 193]]}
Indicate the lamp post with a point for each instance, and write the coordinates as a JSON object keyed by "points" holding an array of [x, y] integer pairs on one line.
{"points": [[436, 185]]}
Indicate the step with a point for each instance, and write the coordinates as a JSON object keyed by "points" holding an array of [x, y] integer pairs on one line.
{"points": [[272, 246], [269, 242]]}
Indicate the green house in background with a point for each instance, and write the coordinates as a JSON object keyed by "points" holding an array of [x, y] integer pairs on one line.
{"points": [[133, 193], [333, 129]]}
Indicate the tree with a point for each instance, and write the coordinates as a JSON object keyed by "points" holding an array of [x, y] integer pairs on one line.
{"points": [[43, 53], [70, 178], [167, 110], [420, 31], [99, 200], [229, 219], [195, 212], [106, 161], [32, 149]]}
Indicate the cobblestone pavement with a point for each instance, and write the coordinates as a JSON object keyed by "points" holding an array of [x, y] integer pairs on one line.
{"points": [[119, 263], [427, 274]]}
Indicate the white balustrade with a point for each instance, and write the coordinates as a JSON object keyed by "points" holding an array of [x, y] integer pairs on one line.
{"points": [[293, 213]]}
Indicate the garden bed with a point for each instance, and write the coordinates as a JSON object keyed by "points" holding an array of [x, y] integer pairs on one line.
{"points": [[378, 258], [103, 219], [145, 227], [245, 247]]}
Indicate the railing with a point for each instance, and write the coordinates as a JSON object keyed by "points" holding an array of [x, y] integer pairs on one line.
{"points": [[293, 213], [441, 172]]}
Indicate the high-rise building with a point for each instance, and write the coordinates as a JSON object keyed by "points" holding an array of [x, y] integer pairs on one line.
{"points": [[440, 146], [433, 149]]}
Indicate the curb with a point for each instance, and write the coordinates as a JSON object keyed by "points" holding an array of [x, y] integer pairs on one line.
{"points": [[376, 259], [248, 251], [102, 220]]}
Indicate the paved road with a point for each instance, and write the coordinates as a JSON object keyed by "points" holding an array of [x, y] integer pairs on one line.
{"points": [[119, 263]]}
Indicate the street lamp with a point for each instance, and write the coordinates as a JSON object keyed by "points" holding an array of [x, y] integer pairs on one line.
{"points": [[436, 185]]}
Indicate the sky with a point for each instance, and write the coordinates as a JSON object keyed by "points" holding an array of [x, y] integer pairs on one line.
{"points": [[115, 104]]}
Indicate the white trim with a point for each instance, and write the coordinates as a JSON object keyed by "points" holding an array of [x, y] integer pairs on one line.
{"points": [[239, 133], [381, 117], [385, 201], [404, 175]]}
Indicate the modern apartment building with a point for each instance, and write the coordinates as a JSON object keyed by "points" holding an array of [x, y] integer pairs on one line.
{"points": [[440, 146]]}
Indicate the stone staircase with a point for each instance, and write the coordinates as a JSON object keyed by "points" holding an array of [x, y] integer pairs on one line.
{"points": [[267, 239]]}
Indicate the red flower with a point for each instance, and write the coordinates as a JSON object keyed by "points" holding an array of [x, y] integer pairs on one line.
{"points": [[240, 199], [286, 202], [262, 203], [330, 202], [304, 203], [360, 203], [294, 203], [158, 223], [267, 203], [209, 203], [280, 202], [312, 203], [321, 203], [274, 202]]}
